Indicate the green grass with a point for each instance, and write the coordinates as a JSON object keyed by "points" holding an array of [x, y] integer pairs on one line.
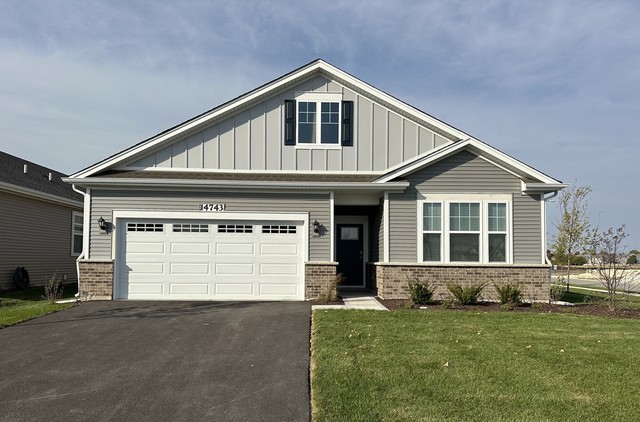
{"points": [[455, 365], [20, 305], [579, 295]]}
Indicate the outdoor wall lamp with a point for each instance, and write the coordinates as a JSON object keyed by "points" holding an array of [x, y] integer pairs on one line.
{"points": [[316, 227], [102, 224]]}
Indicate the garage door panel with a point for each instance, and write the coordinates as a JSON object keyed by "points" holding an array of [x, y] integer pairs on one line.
{"points": [[144, 268], [235, 248], [209, 260], [189, 268], [234, 289], [234, 269], [278, 289], [146, 289], [285, 249], [190, 248], [189, 288], [278, 269]]}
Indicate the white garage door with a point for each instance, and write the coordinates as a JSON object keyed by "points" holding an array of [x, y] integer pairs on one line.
{"points": [[210, 260]]}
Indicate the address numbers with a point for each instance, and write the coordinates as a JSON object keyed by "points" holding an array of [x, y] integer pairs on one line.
{"points": [[213, 207]]}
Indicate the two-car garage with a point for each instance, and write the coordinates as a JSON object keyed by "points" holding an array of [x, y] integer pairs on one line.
{"points": [[239, 257]]}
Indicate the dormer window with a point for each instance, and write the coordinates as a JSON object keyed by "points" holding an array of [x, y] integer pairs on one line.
{"points": [[318, 119]]}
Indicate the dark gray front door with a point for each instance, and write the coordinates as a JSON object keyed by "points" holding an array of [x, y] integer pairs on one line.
{"points": [[350, 253]]}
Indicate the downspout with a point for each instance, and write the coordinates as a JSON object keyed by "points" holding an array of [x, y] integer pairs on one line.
{"points": [[544, 200], [81, 256]]}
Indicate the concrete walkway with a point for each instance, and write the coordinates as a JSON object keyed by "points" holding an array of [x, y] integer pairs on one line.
{"points": [[355, 299]]}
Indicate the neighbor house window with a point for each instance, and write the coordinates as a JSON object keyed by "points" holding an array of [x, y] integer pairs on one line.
{"points": [[318, 119], [465, 231], [77, 224]]}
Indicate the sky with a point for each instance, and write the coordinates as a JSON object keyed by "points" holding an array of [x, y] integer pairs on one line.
{"points": [[555, 84]]}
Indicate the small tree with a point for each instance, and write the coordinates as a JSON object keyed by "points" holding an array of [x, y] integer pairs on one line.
{"points": [[573, 225], [606, 250]]}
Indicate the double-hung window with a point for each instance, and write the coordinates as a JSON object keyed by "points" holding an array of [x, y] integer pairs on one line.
{"points": [[475, 230], [318, 120], [77, 223]]}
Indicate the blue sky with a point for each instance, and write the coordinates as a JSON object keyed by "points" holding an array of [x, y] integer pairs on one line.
{"points": [[553, 83]]}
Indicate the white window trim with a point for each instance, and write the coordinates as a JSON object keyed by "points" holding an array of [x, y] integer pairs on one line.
{"points": [[75, 214], [318, 98], [484, 200]]}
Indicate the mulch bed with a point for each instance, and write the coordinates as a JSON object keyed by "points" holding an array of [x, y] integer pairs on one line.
{"points": [[595, 309]]}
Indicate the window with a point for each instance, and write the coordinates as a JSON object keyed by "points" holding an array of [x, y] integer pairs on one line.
{"points": [[465, 231], [77, 225], [318, 119], [191, 228], [279, 229], [432, 231], [145, 227], [235, 228]]}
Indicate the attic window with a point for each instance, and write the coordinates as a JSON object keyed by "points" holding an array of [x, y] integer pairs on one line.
{"points": [[318, 119]]}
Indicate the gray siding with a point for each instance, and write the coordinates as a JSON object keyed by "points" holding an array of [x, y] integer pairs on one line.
{"points": [[252, 139], [36, 235], [104, 202], [402, 227], [464, 172], [527, 229]]}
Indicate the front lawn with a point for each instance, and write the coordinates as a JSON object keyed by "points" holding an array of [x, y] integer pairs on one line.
{"points": [[20, 305], [456, 365]]}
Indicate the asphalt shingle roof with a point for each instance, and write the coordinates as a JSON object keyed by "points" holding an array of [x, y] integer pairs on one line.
{"points": [[36, 178]]}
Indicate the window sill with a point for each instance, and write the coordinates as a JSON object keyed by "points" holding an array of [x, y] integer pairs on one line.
{"points": [[318, 146]]}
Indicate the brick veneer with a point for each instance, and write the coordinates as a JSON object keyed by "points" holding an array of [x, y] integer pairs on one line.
{"points": [[96, 279], [318, 277], [391, 280]]}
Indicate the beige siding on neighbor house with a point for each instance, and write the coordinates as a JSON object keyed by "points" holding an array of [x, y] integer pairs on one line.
{"points": [[103, 202], [252, 139], [36, 235]]}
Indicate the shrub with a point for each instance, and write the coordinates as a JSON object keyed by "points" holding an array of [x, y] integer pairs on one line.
{"points": [[330, 292], [632, 260], [53, 288], [421, 292], [556, 292], [509, 293], [468, 295]]}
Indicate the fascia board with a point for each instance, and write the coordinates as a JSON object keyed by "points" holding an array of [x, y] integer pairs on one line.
{"points": [[36, 194], [458, 146], [172, 183], [543, 187], [316, 65]]}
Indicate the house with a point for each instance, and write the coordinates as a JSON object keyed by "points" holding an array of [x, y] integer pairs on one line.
{"points": [[41, 222], [317, 173]]}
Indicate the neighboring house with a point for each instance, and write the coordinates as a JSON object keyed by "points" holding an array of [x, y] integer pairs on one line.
{"points": [[41, 222], [270, 195]]}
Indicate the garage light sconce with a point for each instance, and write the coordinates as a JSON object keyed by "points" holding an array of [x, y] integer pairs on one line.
{"points": [[316, 227], [102, 224]]}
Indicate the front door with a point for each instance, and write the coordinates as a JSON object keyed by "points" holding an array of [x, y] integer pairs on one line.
{"points": [[350, 254]]}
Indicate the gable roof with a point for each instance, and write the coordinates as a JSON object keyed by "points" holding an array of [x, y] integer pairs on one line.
{"points": [[319, 67], [533, 180], [35, 181]]}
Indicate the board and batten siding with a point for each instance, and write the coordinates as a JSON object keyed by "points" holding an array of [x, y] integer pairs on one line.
{"points": [[402, 227], [527, 236], [103, 202], [252, 139], [36, 235]]}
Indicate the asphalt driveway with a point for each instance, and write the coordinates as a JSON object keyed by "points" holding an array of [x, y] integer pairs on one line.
{"points": [[174, 361]]}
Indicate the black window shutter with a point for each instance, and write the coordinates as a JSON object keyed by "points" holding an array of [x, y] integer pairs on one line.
{"points": [[289, 122], [347, 123]]}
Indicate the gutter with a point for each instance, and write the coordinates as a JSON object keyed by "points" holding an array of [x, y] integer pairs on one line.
{"points": [[234, 184]]}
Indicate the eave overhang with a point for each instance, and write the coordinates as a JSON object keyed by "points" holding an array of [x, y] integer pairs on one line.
{"points": [[542, 187], [112, 182], [36, 194]]}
